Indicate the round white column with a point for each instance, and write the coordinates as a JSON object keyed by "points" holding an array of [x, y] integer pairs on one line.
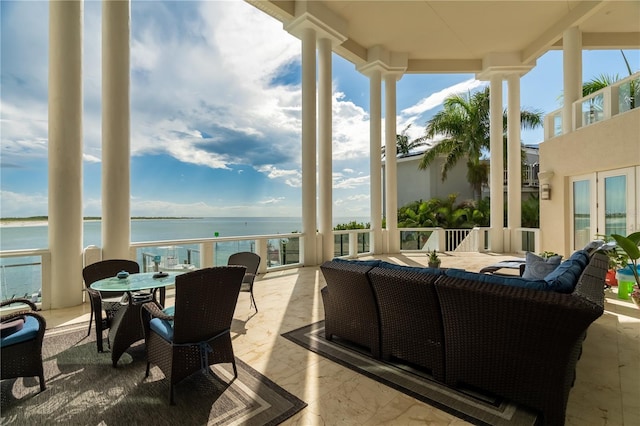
{"points": [[572, 74], [391, 170], [116, 155], [65, 152], [308, 38], [375, 162], [325, 175], [496, 173], [514, 158]]}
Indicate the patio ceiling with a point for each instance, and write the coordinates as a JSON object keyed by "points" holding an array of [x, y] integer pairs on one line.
{"points": [[456, 36]]}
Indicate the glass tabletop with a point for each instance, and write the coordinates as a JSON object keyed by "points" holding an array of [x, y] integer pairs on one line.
{"points": [[134, 282]]}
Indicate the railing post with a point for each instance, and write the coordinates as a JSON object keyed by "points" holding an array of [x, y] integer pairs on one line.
{"points": [[263, 252], [576, 116], [45, 302], [353, 244], [442, 239], [207, 255], [536, 239]]}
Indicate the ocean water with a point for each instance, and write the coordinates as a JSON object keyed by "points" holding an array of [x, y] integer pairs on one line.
{"points": [[22, 276]]}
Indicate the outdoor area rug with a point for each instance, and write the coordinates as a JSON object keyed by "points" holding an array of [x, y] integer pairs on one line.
{"points": [[467, 405], [84, 389]]}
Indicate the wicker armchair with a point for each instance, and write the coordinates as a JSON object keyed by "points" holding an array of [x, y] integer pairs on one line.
{"points": [[196, 333], [107, 301], [21, 351], [251, 261], [350, 306]]}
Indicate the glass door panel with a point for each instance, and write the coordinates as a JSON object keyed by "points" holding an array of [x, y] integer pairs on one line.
{"points": [[615, 205], [616, 202], [581, 213]]}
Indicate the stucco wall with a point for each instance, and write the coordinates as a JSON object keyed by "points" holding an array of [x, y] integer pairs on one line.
{"points": [[415, 184], [608, 145]]}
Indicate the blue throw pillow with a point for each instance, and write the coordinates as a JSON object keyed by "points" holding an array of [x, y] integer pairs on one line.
{"points": [[537, 267], [497, 279]]}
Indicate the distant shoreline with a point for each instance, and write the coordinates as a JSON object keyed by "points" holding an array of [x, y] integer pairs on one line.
{"points": [[44, 221]]}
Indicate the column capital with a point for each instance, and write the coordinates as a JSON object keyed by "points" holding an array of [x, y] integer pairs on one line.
{"points": [[503, 64], [325, 23], [388, 63]]}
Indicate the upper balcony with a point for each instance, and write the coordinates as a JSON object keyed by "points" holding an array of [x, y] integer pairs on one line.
{"points": [[616, 99]]}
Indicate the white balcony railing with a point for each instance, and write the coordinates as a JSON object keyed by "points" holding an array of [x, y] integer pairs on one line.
{"points": [[618, 98], [26, 273]]}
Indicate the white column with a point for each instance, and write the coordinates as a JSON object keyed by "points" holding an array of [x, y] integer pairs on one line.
{"points": [[116, 155], [375, 162], [65, 152], [391, 172], [572, 74], [309, 145], [496, 178], [325, 172], [514, 159]]}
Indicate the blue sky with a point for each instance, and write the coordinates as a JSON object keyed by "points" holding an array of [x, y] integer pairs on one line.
{"points": [[215, 111]]}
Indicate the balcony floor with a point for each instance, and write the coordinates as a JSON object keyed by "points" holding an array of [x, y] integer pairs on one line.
{"points": [[606, 391]]}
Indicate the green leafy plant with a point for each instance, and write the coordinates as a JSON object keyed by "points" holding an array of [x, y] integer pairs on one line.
{"points": [[631, 246], [618, 259], [434, 260], [548, 254]]}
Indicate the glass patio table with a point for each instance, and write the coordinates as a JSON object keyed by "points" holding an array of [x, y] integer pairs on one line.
{"points": [[126, 327]]}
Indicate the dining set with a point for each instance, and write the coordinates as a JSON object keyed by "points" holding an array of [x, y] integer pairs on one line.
{"points": [[132, 306]]}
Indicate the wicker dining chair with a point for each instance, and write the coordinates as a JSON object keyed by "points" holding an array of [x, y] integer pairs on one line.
{"points": [[21, 346], [196, 332], [108, 301], [251, 261]]}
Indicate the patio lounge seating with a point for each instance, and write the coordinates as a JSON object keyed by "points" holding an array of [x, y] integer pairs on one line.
{"points": [[251, 261], [508, 336], [107, 301], [350, 307], [21, 342], [194, 334]]}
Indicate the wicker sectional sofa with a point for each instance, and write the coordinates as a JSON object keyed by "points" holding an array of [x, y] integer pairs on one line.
{"points": [[516, 338]]}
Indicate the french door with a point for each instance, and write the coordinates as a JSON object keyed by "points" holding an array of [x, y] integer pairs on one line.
{"points": [[604, 203]]}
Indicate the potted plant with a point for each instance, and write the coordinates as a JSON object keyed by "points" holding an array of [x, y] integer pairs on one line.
{"points": [[631, 246], [434, 260], [618, 259]]}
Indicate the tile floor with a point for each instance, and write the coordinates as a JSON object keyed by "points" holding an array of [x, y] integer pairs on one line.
{"points": [[607, 389]]}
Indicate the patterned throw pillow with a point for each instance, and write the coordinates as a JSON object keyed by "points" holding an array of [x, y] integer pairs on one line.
{"points": [[536, 267]]}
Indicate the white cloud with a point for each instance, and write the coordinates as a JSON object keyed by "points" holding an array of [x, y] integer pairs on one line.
{"points": [[290, 177], [350, 183], [436, 99], [272, 200], [22, 205]]}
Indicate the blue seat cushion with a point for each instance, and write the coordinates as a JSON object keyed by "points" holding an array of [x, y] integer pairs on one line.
{"points": [[164, 328], [28, 332], [432, 271], [11, 326], [371, 262], [497, 279], [565, 277]]}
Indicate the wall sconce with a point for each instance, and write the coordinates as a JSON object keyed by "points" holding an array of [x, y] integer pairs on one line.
{"points": [[545, 191]]}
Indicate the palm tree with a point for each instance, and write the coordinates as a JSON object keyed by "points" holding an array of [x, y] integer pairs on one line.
{"points": [[604, 80], [464, 122], [404, 146]]}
